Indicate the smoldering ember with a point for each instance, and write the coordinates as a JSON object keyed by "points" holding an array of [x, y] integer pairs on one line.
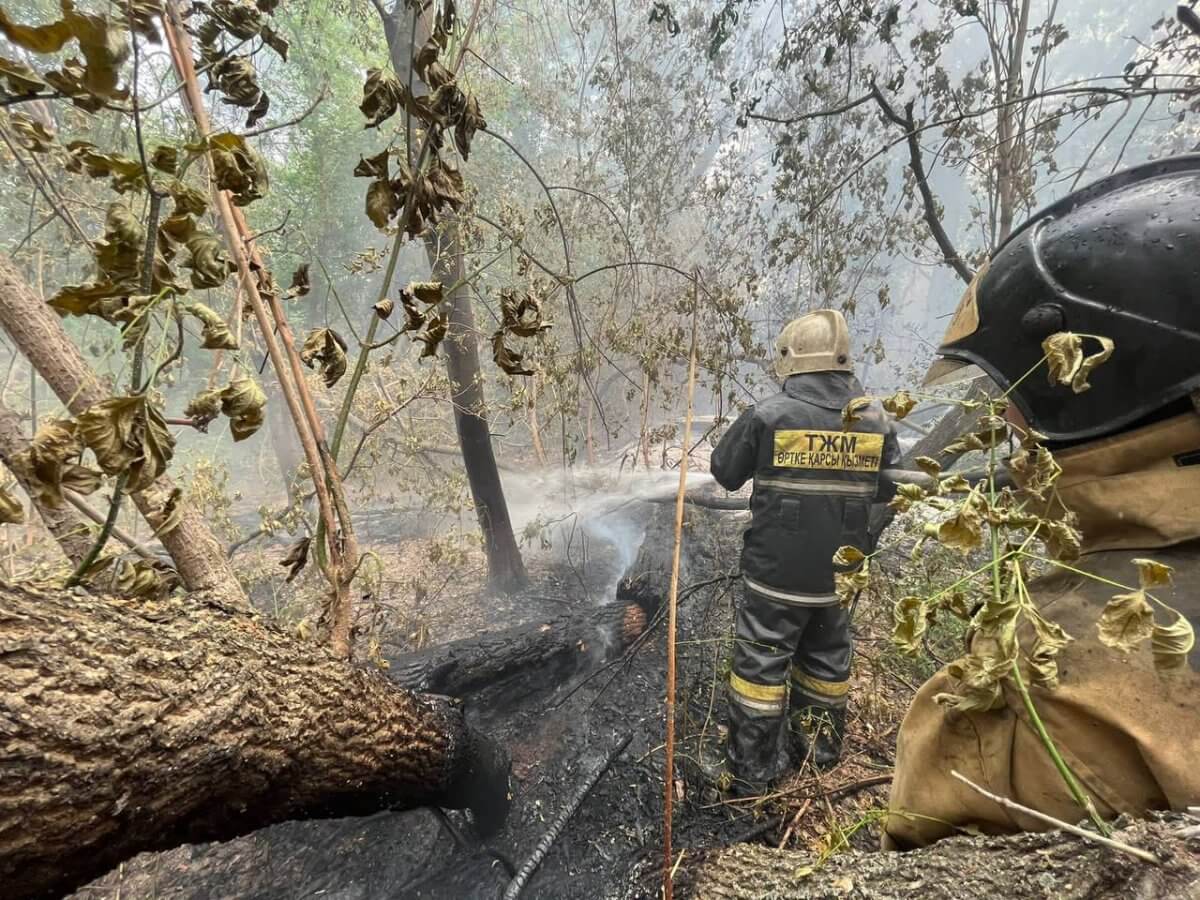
{"points": [[599, 449]]}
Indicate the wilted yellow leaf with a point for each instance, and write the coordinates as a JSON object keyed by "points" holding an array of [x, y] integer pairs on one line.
{"points": [[204, 407], [900, 404], [1035, 470], [1127, 620], [326, 347], [852, 410], [848, 584], [237, 167], [978, 684], [1064, 355], [1079, 383], [1062, 539], [216, 334], [929, 466], [1171, 645], [1152, 574], [1050, 640], [906, 496], [848, 556], [910, 617], [128, 434], [963, 531], [426, 291], [244, 402]]}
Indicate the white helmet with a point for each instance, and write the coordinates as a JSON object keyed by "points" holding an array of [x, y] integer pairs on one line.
{"points": [[817, 342]]}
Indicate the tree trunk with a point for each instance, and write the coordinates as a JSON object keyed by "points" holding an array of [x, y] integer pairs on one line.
{"points": [[1021, 867], [535, 428], [506, 570], [72, 534], [198, 556], [128, 726], [643, 439]]}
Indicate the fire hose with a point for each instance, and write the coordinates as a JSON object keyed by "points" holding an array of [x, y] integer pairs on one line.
{"points": [[556, 827]]}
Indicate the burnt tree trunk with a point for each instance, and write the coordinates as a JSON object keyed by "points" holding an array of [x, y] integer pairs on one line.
{"points": [[35, 328], [554, 647], [128, 726], [506, 570]]}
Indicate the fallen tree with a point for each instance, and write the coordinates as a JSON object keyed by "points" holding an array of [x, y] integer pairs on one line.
{"points": [[1021, 867], [129, 725]]}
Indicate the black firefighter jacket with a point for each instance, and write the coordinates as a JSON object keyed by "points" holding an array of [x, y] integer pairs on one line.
{"points": [[813, 483]]}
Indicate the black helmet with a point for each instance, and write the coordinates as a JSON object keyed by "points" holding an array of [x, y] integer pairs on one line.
{"points": [[1120, 259]]}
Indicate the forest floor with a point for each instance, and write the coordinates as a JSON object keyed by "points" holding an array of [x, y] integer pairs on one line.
{"points": [[557, 733]]}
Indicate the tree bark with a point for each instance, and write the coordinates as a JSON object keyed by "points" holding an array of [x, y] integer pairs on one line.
{"points": [[1021, 867], [506, 570], [535, 428], [35, 328], [70, 531], [128, 726]]}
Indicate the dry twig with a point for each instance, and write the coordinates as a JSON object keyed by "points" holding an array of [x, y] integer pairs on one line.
{"points": [[1144, 855]]}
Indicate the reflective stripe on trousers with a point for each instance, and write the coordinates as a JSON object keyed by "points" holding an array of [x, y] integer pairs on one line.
{"points": [[776, 643]]}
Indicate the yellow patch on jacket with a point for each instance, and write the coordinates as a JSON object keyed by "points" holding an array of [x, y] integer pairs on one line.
{"points": [[847, 451]]}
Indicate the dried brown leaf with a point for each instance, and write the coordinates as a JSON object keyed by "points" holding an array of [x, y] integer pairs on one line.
{"points": [[325, 347], [296, 559], [244, 402], [215, 334]]}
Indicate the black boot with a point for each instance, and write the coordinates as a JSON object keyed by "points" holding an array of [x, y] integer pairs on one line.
{"points": [[756, 754], [817, 734]]}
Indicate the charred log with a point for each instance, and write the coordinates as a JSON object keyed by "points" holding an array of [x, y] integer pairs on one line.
{"points": [[558, 645], [128, 726]]}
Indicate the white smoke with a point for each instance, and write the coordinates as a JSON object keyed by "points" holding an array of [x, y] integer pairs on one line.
{"points": [[593, 518]]}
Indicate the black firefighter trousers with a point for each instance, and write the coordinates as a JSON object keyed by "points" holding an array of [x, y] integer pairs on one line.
{"points": [[776, 645]]}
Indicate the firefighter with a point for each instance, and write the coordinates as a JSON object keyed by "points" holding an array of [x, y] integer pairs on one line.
{"points": [[1116, 259], [814, 483]]}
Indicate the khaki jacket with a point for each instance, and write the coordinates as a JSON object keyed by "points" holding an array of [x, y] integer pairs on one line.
{"points": [[1131, 736]]}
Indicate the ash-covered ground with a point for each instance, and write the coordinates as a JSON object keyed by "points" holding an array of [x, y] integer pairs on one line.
{"points": [[558, 728]]}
